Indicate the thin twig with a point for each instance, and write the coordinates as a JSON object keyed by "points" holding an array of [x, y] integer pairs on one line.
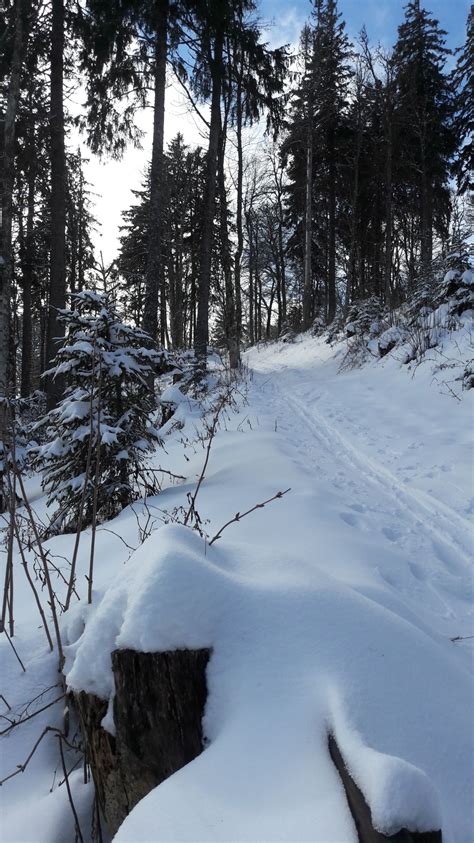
{"points": [[79, 761], [8, 587], [71, 801], [30, 716], [22, 767], [39, 696], [239, 515], [212, 433], [13, 648], [103, 529], [96, 488], [52, 601], [33, 588], [72, 575], [4, 700]]}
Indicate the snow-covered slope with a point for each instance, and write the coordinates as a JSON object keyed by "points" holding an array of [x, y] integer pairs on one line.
{"points": [[332, 609]]}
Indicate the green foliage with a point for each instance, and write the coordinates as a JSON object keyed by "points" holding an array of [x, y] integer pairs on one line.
{"points": [[100, 434]]}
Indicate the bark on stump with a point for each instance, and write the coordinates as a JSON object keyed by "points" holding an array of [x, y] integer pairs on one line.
{"points": [[158, 708], [361, 812]]}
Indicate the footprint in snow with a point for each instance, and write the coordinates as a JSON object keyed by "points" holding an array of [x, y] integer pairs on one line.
{"points": [[391, 534], [358, 507], [417, 571], [349, 518], [448, 557]]}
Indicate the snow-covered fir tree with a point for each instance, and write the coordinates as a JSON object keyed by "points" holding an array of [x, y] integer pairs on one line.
{"points": [[100, 434]]}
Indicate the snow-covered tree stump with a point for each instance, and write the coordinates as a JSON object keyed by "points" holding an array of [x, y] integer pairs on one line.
{"points": [[158, 708], [361, 811]]}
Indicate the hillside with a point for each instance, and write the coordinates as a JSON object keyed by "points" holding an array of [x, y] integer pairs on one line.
{"points": [[344, 607]]}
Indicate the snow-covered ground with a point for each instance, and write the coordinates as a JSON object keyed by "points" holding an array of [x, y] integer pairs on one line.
{"points": [[332, 609]]}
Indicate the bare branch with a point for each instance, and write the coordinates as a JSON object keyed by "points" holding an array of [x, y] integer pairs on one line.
{"points": [[239, 515], [14, 649], [71, 801]]}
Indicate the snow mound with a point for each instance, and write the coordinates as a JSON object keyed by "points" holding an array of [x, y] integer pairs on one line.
{"points": [[290, 653]]}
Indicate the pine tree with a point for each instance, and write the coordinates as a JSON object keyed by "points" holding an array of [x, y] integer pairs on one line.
{"points": [[99, 435]]}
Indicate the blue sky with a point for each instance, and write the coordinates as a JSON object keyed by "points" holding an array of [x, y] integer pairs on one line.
{"points": [[381, 18]]}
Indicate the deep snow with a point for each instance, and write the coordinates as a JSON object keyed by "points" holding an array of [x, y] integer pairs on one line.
{"points": [[331, 609]]}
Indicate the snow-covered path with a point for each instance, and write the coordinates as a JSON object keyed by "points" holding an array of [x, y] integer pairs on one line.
{"points": [[333, 427]]}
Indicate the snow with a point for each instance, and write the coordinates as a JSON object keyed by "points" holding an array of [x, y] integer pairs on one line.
{"points": [[331, 610]]}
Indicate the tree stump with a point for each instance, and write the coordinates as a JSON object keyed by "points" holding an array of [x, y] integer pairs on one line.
{"points": [[361, 812], [158, 708]]}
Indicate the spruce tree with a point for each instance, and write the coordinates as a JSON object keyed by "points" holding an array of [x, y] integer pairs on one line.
{"points": [[428, 141], [463, 81], [182, 197], [99, 435], [315, 145], [80, 224]]}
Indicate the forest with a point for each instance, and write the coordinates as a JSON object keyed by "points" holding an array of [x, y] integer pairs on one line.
{"points": [[236, 455], [359, 180]]}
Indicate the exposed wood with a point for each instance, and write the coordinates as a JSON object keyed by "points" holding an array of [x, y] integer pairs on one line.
{"points": [[361, 811], [158, 708]]}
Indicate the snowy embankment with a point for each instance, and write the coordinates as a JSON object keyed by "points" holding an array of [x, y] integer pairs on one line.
{"points": [[332, 610]]}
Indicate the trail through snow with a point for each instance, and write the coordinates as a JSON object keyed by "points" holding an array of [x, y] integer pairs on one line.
{"points": [[436, 539]]}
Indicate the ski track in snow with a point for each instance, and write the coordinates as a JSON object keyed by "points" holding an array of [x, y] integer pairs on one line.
{"points": [[431, 533]]}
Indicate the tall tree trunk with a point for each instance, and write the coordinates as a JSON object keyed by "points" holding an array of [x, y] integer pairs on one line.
{"points": [[230, 303], [388, 214], [27, 272], [72, 236], [176, 298], [23, 8], [202, 323], [308, 231], [154, 274], [350, 282], [80, 231], [248, 218], [281, 255], [278, 292], [238, 221], [426, 222], [57, 283], [331, 229]]}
